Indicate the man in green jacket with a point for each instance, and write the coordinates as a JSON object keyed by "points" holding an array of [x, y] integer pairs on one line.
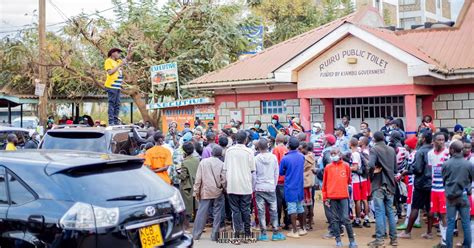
{"points": [[187, 175]]}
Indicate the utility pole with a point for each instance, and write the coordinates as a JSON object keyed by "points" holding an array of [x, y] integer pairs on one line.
{"points": [[43, 99]]}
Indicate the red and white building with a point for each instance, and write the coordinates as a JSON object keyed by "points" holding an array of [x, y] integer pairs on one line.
{"points": [[350, 66]]}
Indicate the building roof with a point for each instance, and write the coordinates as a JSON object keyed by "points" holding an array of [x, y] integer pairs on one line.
{"points": [[447, 49]]}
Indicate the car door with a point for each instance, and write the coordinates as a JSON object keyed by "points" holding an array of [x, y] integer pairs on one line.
{"points": [[19, 216], [3, 207]]}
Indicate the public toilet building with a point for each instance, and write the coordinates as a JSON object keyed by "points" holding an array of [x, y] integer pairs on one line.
{"points": [[352, 66]]}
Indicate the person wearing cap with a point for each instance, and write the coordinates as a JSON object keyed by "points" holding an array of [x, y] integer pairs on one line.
{"points": [[275, 126], [459, 129], [387, 128], [113, 84], [292, 167], [187, 125], [316, 138], [341, 139]]}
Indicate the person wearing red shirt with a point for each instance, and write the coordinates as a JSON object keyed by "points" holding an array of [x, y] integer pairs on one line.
{"points": [[279, 151]]}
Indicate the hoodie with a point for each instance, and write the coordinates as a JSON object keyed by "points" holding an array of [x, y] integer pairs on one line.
{"points": [[265, 177]]}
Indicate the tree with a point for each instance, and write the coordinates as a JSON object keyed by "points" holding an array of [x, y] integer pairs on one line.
{"points": [[201, 37]]}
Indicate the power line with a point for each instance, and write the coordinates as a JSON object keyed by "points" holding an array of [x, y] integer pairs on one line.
{"points": [[54, 24]]}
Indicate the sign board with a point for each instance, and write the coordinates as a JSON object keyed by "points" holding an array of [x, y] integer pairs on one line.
{"points": [[178, 115], [164, 73], [180, 103], [236, 115], [39, 89]]}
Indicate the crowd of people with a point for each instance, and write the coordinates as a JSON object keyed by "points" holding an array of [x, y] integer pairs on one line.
{"points": [[267, 179]]}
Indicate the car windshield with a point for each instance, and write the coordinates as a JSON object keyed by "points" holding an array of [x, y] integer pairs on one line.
{"points": [[29, 124], [82, 141], [109, 185]]}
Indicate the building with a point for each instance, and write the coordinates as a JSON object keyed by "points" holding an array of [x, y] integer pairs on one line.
{"points": [[350, 66], [388, 9]]}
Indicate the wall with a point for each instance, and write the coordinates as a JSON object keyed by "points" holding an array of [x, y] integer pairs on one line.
{"points": [[431, 6], [317, 111], [410, 7], [390, 14], [450, 109]]}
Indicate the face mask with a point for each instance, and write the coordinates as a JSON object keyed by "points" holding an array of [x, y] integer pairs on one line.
{"points": [[274, 122], [335, 158], [257, 126]]}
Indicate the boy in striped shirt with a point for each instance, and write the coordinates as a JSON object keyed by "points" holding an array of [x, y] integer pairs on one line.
{"points": [[436, 157]]}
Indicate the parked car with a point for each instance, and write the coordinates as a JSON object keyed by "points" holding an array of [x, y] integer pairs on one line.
{"points": [[60, 198], [118, 140], [22, 134], [29, 122]]}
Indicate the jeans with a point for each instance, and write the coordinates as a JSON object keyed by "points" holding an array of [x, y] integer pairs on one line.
{"points": [[269, 198], [383, 204], [339, 215], [281, 205], [240, 207], [216, 205], [114, 105], [460, 205]]}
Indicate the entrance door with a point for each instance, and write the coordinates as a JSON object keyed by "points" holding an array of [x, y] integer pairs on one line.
{"points": [[369, 109]]}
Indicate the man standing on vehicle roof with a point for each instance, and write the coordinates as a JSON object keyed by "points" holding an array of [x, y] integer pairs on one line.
{"points": [[113, 84]]}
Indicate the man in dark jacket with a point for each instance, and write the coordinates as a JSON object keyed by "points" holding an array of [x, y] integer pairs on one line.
{"points": [[458, 174], [382, 164], [33, 142], [422, 185]]}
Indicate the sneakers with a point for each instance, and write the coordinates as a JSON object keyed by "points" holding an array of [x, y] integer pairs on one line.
{"points": [[366, 223], [263, 237], [404, 235], [339, 244], [302, 232], [356, 224], [278, 237], [402, 227], [394, 242], [353, 244], [328, 235], [376, 243], [293, 235], [417, 225], [427, 236]]}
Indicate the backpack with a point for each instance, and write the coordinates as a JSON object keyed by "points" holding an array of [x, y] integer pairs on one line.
{"points": [[363, 170]]}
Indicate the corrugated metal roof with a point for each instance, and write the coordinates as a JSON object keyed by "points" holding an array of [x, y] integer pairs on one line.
{"points": [[446, 48]]}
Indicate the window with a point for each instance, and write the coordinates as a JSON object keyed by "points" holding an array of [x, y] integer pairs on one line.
{"points": [[370, 107], [3, 188], [19, 194], [273, 107]]}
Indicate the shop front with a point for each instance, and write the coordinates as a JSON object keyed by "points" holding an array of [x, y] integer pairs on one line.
{"points": [[353, 67]]}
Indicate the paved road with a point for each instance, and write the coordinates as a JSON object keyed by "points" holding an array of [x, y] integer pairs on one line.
{"points": [[314, 239]]}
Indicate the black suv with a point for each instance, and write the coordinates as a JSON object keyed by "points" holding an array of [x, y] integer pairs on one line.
{"points": [[117, 140], [68, 199]]}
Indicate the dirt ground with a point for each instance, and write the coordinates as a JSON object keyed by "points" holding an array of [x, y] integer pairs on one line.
{"points": [[314, 238]]}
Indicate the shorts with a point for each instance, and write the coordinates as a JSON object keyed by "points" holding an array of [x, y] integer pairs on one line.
{"points": [[421, 199], [369, 187], [295, 207], [308, 197], [438, 202], [409, 194], [360, 191], [471, 200]]}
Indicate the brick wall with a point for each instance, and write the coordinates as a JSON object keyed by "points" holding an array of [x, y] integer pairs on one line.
{"points": [[446, 6], [252, 112], [451, 109], [317, 111], [431, 6]]}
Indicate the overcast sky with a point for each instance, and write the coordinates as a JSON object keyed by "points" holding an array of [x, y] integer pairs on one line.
{"points": [[16, 13]]}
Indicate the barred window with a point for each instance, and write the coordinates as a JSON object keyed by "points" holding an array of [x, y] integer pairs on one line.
{"points": [[273, 107], [370, 107]]}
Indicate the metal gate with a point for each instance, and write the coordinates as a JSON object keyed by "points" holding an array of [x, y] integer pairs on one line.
{"points": [[369, 109]]}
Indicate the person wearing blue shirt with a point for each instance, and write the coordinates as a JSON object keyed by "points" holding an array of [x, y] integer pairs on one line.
{"points": [[342, 141], [275, 127], [292, 167]]}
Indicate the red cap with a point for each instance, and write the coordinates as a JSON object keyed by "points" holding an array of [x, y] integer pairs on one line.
{"points": [[275, 117], [69, 122], [330, 139], [411, 142]]}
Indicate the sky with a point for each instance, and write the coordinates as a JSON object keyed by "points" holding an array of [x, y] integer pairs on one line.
{"points": [[14, 14]]}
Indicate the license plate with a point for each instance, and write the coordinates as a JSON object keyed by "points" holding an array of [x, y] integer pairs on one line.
{"points": [[150, 236]]}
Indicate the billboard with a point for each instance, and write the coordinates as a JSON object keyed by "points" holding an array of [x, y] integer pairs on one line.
{"points": [[164, 73]]}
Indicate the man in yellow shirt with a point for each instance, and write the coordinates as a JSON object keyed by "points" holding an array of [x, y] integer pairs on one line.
{"points": [[113, 84], [158, 158], [12, 141]]}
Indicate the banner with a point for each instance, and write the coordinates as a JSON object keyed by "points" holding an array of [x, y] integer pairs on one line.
{"points": [[164, 73], [181, 103]]}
